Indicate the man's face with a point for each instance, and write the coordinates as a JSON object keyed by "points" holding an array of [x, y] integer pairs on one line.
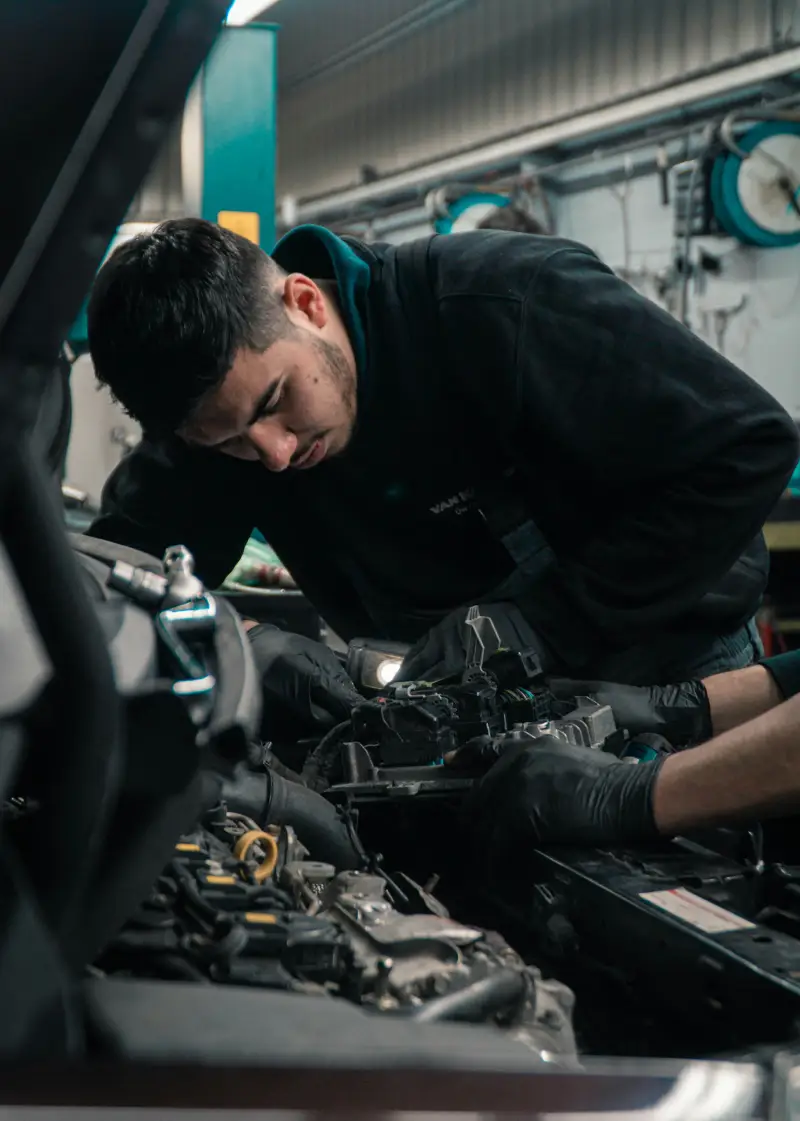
{"points": [[293, 405]]}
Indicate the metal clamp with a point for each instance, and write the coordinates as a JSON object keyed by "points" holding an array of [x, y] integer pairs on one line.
{"points": [[193, 620], [482, 638]]}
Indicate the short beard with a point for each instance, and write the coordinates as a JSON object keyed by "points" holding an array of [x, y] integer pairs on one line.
{"points": [[338, 369]]}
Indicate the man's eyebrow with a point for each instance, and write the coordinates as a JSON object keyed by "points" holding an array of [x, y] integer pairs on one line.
{"points": [[263, 403]]}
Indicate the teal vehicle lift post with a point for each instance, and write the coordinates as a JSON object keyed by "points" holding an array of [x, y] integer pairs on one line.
{"points": [[239, 132], [228, 141]]}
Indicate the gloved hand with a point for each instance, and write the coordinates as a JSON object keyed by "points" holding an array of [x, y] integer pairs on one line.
{"points": [[306, 690], [544, 791], [442, 651], [680, 713]]}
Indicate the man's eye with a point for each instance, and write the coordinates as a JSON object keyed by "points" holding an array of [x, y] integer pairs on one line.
{"points": [[271, 406]]}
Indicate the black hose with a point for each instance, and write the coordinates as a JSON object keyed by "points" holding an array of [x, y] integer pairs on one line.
{"points": [[322, 761], [270, 799], [314, 820], [477, 1002]]}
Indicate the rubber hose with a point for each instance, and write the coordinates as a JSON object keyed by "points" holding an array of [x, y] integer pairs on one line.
{"points": [[477, 1002], [272, 800]]}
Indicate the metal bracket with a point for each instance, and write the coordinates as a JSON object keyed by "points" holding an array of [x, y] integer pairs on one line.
{"points": [[482, 641]]}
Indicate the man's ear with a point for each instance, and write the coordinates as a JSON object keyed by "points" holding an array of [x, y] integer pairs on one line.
{"points": [[304, 302]]}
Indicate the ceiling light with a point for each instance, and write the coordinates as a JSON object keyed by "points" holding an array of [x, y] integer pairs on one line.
{"points": [[242, 11]]}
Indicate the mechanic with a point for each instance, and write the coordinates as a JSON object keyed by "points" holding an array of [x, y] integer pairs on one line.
{"points": [[482, 419], [748, 768]]}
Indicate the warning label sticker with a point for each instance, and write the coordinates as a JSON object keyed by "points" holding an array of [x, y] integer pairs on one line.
{"points": [[699, 912]]}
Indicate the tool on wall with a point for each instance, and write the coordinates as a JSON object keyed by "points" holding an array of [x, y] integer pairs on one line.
{"points": [[459, 207], [755, 180], [622, 193], [743, 183]]}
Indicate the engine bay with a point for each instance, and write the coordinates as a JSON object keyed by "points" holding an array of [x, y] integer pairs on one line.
{"points": [[689, 947], [350, 895]]}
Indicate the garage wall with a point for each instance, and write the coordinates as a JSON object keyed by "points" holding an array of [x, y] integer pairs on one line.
{"points": [[763, 338], [488, 68], [92, 454]]}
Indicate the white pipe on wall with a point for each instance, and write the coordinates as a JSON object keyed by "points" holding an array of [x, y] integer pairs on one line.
{"points": [[585, 124]]}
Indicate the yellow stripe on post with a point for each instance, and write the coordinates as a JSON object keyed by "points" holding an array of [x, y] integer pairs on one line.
{"points": [[243, 222]]}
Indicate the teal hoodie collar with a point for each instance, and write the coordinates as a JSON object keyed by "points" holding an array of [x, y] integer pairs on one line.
{"points": [[320, 254]]}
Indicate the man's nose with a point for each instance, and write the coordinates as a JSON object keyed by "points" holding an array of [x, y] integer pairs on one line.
{"points": [[274, 443]]}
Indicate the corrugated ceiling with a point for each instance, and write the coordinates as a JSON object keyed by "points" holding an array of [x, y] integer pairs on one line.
{"points": [[314, 31], [481, 70], [389, 84]]}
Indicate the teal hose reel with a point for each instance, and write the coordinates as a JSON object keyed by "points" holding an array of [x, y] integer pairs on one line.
{"points": [[757, 200], [467, 211]]}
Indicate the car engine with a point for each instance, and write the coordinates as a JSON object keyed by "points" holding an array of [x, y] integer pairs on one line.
{"points": [[243, 905]]}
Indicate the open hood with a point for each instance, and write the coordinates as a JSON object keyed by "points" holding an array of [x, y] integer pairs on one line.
{"points": [[89, 90]]}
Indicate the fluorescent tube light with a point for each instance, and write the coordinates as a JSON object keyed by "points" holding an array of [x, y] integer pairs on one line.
{"points": [[242, 11]]}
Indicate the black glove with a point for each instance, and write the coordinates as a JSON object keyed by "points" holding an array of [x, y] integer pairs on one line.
{"points": [[442, 652], [680, 713], [544, 791], [306, 690], [785, 671]]}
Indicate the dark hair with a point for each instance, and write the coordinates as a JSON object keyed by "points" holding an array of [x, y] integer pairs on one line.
{"points": [[511, 218], [170, 309]]}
